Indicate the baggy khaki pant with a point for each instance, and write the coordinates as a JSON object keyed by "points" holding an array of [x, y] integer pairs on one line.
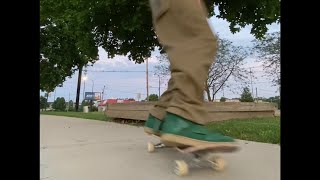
{"points": [[182, 28]]}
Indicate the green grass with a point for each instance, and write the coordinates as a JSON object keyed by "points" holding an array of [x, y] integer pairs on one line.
{"points": [[265, 130], [90, 115]]}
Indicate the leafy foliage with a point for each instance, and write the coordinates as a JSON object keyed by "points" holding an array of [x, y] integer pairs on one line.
{"points": [[153, 97], [43, 103], [246, 95], [59, 104], [72, 30], [223, 99]]}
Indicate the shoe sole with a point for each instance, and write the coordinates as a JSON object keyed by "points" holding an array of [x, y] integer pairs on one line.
{"points": [[150, 131], [181, 140]]}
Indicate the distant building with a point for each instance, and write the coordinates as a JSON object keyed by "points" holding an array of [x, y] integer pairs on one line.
{"points": [[103, 104], [233, 100]]}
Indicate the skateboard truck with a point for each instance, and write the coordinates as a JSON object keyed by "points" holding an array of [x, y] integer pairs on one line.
{"points": [[198, 159], [152, 147], [181, 167]]}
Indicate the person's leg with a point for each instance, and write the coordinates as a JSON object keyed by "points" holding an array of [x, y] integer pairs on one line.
{"points": [[159, 8], [158, 112], [191, 47], [182, 27]]}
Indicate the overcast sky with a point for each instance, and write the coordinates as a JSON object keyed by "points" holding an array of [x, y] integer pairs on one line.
{"points": [[128, 84]]}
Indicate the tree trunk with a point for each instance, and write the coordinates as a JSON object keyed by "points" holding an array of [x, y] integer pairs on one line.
{"points": [[45, 106], [208, 94], [78, 88], [213, 92], [206, 89]]}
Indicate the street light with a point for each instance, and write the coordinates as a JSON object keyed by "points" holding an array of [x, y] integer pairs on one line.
{"points": [[92, 95], [159, 84], [84, 84], [92, 85]]}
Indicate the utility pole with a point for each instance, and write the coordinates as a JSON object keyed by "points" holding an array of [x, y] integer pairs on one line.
{"points": [[257, 94], [147, 79], [102, 93], [68, 103], [251, 82], [159, 87], [222, 90]]}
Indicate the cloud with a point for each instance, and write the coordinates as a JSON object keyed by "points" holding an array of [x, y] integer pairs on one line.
{"points": [[127, 84], [153, 60], [122, 62]]}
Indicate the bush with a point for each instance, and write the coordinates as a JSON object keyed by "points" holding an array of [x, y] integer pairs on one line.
{"points": [[246, 96], [59, 104], [94, 108]]}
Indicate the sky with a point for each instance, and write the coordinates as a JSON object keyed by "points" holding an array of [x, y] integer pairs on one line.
{"points": [[129, 84]]}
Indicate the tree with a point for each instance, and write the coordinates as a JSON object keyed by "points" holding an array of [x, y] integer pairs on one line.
{"points": [[268, 50], [223, 99], [59, 104], [153, 97], [64, 47], [163, 67], [275, 100], [70, 106], [71, 31], [66, 42], [246, 95], [228, 66], [43, 103]]}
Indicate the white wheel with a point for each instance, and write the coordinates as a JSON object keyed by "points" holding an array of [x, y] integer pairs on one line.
{"points": [[218, 164], [181, 168], [150, 147]]}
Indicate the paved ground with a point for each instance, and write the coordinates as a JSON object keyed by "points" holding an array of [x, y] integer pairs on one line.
{"points": [[79, 149]]}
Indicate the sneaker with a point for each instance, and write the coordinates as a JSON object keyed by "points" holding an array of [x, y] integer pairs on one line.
{"points": [[178, 130], [152, 125]]}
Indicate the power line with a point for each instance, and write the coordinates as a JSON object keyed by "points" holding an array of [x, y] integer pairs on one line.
{"points": [[267, 90], [115, 71], [261, 82], [123, 91], [255, 66]]}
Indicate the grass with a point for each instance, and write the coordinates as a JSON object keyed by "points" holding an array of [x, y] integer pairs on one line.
{"points": [[265, 130], [90, 115]]}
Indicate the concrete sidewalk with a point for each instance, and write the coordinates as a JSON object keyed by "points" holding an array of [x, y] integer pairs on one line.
{"points": [[80, 149]]}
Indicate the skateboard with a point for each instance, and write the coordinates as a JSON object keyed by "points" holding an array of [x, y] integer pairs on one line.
{"points": [[200, 156]]}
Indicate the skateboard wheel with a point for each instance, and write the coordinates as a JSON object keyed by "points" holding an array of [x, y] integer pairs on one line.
{"points": [[181, 168], [150, 147], [218, 164]]}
